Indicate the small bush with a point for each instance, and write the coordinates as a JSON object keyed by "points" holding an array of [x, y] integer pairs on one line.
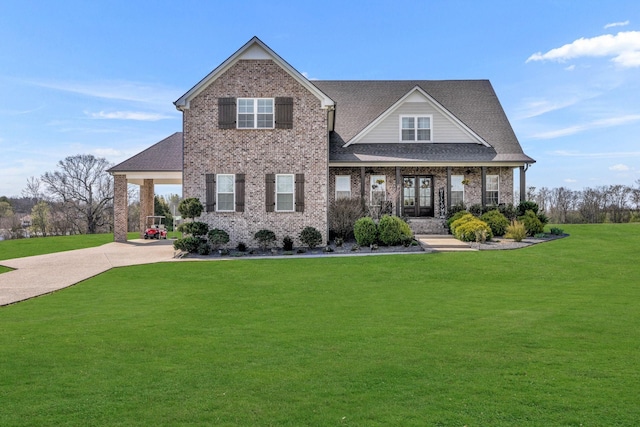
{"points": [[393, 230], [509, 211], [473, 230], [556, 231], [455, 217], [241, 247], [287, 244], [311, 237], [343, 214], [543, 218], [516, 231], [365, 231], [265, 238], [464, 218], [194, 228], [496, 221], [531, 223], [218, 238], [188, 244], [525, 206], [190, 208], [476, 210], [204, 248]]}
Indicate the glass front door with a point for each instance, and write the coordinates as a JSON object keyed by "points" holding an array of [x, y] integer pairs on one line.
{"points": [[417, 196]]}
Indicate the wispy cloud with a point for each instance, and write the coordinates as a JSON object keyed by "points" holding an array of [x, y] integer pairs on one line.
{"points": [[624, 47], [306, 75], [538, 107], [619, 168], [617, 24], [602, 123], [570, 180], [128, 115]]}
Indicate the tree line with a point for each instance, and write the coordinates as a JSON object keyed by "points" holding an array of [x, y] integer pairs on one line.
{"points": [[607, 203]]}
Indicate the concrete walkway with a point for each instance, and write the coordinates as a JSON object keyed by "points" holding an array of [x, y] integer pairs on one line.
{"points": [[43, 274], [443, 243]]}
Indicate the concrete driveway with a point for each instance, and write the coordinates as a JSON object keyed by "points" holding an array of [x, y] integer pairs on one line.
{"points": [[43, 274]]}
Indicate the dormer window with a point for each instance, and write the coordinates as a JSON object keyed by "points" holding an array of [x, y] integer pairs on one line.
{"points": [[415, 128], [255, 113]]}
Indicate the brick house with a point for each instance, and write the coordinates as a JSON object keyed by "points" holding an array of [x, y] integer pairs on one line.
{"points": [[264, 147]]}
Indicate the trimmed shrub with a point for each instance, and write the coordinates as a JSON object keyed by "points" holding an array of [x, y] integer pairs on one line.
{"points": [[195, 228], [516, 231], [365, 231], [464, 218], [287, 243], [476, 210], [509, 211], [343, 214], [242, 247], [556, 231], [455, 217], [471, 230], [188, 244], [525, 206], [265, 238], [218, 238], [311, 237], [204, 248], [190, 208], [455, 209], [393, 230], [496, 221], [531, 223]]}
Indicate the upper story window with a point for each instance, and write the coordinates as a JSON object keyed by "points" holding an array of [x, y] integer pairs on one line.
{"points": [[415, 128], [255, 113]]}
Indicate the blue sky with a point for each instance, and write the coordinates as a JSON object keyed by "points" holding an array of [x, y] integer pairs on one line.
{"points": [[100, 77]]}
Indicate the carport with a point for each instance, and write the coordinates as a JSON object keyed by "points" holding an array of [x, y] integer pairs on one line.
{"points": [[159, 164]]}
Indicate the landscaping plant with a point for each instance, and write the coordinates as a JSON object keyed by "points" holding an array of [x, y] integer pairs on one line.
{"points": [[393, 230], [311, 237], [365, 231], [265, 238], [496, 221]]}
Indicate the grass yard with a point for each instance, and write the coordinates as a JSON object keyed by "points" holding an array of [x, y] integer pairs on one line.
{"points": [[543, 336]]}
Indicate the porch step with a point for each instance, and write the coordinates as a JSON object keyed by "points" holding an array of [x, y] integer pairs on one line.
{"points": [[428, 225]]}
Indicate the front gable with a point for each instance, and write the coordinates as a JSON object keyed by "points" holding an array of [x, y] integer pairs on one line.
{"points": [[253, 50], [443, 126]]}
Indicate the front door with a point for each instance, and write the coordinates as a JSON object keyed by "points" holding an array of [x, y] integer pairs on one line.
{"points": [[417, 196]]}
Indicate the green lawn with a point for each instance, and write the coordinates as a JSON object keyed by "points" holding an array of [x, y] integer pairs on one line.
{"points": [[546, 336]]}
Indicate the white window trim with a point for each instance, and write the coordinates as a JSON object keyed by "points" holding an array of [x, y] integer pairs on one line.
{"points": [[255, 114], [233, 209], [461, 184], [415, 133], [372, 182], [293, 192], [348, 177], [496, 190]]}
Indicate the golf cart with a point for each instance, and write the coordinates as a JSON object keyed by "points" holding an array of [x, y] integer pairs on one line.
{"points": [[155, 228]]}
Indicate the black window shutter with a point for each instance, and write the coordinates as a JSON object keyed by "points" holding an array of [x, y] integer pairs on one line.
{"points": [[226, 113], [299, 192], [284, 113], [240, 192], [270, 192], [211, 192]]}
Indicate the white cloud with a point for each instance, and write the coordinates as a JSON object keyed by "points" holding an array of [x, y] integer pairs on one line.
{"points": [[617, 24], [571, 67], [605, 155], [538, 107], [624, 47], [306, 75], [570, 180], [128, 115], [602, 123], [619, 168], [107, 152]]}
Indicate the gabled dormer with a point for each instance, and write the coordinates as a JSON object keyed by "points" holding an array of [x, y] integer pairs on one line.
{"points": [[416, 118]]}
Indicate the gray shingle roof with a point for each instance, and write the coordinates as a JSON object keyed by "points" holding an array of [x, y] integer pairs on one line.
{"points": [[473, 102], [164, 156]]}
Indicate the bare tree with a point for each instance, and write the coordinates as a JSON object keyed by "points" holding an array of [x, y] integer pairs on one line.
{"points": [[33, 190], [83, 183]]}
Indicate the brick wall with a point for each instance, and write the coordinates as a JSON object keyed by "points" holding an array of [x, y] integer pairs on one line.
{"points": [[256, 152]]}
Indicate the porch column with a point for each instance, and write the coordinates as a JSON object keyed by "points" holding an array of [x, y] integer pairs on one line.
{"points": [[399, 191], [523, 184], [483, 183], [448, 189], [120, 208], [146, 203]]}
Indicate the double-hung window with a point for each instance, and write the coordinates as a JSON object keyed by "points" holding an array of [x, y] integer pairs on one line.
{"points": [[492, 190], [457, 190], [255, 113], [343, 186], [285, 193], [378, 189], [415, 128], [225, 192]]}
